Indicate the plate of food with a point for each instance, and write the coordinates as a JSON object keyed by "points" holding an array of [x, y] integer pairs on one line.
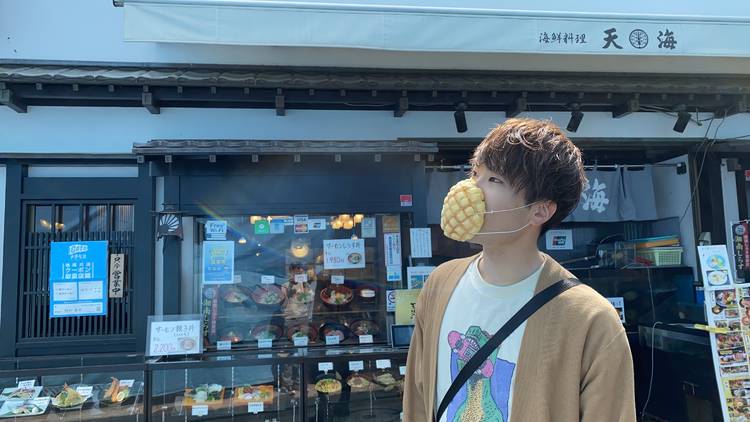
{"points": [[254, 393], [15, 393], [268, 296], [354, 258], [235, 295], [336, 296], [69, 399], [232, 335], [117, 392], [208, 394], [367, 293], [358, 381], [365, 327], [334, 329], [266, 332], [327, 384], [21, 408], [302, 330]]}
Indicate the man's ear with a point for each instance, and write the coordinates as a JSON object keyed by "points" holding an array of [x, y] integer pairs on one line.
{"points": [[542, 212]]}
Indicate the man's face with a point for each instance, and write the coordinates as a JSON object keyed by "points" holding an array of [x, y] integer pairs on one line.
{"points": [[500, 195]]}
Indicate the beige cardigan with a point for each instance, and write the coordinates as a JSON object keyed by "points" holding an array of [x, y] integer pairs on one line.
{"points": [[574, 363]]}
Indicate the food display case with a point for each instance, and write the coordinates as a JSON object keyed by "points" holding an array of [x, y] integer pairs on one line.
{"points": [[356, 384], [226, 388], [96, 390], [302, 280]]}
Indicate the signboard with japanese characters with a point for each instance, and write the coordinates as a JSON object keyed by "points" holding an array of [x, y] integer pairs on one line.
{"points": [[174, 335], [116, 274], [77, 278], [612, 37], [218, 262], [741, 246], [343, 253]]}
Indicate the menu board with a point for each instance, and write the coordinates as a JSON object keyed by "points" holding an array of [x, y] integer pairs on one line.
{"points": [[174, 335]]}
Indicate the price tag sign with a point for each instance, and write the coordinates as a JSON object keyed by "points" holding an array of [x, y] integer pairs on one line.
{"points": [[337, 279], [300, 278], [223, 345], [267, 279], [332, 340], [402, 370], [127, 383], [356, 365], [255, 407], [265, 343], [85, 391], [367, 339], [383, 363], [325, 366], [200, 410], [301, 341], [26, 384]]}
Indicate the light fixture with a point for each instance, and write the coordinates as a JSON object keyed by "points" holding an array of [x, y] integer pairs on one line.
{"points": [[683, 118], [44, 223], [336, 224], [168, 222], [242, 240], [358, 218], [348, 224], [576, 115], [460, 117], [300, 249], [254, 219]]}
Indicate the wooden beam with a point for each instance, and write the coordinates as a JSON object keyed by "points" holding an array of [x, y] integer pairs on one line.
{"points": [[16, 104], [148, 101]]}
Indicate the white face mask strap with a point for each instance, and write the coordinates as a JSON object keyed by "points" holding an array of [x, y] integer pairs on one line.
{"points": [[507, 232], [513, 209]]}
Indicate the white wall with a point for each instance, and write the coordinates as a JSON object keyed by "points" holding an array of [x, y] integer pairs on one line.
{"points": [[89, 30], [114, 130]]}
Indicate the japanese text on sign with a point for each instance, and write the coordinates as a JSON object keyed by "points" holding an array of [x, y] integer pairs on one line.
{"points": [[177, 337]]}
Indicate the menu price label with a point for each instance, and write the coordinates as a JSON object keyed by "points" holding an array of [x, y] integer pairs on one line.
{"points": [[127, 383], [26, 384], [224, 345], [267, 279], [332, 340], [181, 337], [300, 278], [199, 410], [356, 365], [301, 341], [255, 407], [265, 343], [325, 366], [366, 339], [337, 279], [402, 370], [383, 363], [85, 391]]}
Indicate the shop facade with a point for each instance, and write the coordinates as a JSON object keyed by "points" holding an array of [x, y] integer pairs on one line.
{"points": [[287, 193]]}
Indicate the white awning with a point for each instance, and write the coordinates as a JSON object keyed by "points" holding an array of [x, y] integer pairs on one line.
{"points": [[413, 25]]}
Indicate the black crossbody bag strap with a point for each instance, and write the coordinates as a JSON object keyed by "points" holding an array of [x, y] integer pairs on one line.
{"points": [[533, 305]]}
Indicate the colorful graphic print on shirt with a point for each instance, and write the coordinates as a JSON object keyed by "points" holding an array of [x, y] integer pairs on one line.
{"points": [[485, 396]]}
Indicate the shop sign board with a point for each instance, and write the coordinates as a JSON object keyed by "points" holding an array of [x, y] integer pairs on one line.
{"points": [[218, 262], [77, 278], [116, 275], [174, 335], [343, 254]]}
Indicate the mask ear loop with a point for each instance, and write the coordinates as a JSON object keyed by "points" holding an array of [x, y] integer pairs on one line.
{"points": [[513, 209], [507, 232]]}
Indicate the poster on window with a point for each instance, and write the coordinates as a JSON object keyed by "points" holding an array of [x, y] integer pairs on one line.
{"points": [[343, 253], [715, 267], [218, 262], [78, 278]]}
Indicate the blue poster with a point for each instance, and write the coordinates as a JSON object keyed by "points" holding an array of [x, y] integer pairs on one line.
{"points": [[78, 278], [218, 262]]}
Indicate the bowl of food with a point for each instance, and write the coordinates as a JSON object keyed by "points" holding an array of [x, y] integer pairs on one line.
{"points": [[327, 384], [367, 293], [387, 380], [235, 295], [302, 330], [365, 327], [268, 296], [301, 294], [334, 329], [336, 296], [358, 381], [266, 332], [232, 335]]}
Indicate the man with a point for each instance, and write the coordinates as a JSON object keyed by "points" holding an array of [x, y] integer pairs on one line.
{"points": [[570, 360]]}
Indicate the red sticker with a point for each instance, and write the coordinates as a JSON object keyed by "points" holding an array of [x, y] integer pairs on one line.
{"points": [[406, 200]]}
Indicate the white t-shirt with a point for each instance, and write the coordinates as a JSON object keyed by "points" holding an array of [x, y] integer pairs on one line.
{"points": [[476, 310]]}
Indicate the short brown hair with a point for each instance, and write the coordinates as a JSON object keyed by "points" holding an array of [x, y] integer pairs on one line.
{"points": [[535, 156]]}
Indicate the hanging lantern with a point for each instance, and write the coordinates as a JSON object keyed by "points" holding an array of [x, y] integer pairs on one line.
{"points": [[168, 222], [300, 249], [348, 224]]}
